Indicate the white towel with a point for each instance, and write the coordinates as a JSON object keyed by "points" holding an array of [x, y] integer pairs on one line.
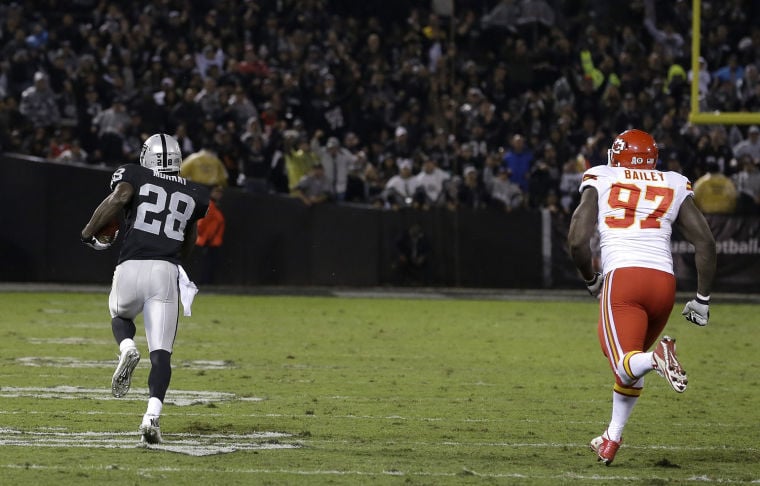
{"points": [[187, 291]]}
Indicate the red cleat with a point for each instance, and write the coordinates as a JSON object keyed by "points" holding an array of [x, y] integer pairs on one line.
{"points": [[605, 448], [666, 364]]}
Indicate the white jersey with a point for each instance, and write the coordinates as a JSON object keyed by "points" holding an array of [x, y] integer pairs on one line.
{"points": [[637, 208], [432, 182]]}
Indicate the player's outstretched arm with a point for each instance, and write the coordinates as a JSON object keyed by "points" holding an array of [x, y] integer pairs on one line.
{"points": [[582, 227], [693, 226]]}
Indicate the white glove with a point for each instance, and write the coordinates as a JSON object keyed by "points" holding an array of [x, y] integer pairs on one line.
{"points": [[594, 285], [96, 244], [241, 179], [697, 311]]}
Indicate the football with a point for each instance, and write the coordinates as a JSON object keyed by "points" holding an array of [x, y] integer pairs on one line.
{"points": [[107, 233]]}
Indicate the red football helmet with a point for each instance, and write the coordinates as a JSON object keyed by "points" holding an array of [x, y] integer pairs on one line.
{"points": [[634, 149]]}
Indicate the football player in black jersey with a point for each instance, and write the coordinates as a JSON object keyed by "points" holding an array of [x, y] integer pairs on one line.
{"points": [[160, 213]]}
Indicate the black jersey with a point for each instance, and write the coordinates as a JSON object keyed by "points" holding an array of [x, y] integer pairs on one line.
{"points": [[161, 209]]}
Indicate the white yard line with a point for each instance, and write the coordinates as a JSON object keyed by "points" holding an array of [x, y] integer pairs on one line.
{"points": [[69, 362], [189, 444], [527, 476], [175, 397]]}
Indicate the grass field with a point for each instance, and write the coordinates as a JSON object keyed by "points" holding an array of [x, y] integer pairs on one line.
{"points": [[329, 390]]}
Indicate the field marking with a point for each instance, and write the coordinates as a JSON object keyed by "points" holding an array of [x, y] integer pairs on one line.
{"points": [[189, 444], [69, 362], [69, 341], [181, 398], [396, 473], [352, 417]]}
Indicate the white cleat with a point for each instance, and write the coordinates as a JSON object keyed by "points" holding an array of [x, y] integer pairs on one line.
{"points": [[150, 431], [122, 377]]}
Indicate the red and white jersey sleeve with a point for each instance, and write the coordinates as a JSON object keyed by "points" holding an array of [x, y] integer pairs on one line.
{"points": [[637, 208]]}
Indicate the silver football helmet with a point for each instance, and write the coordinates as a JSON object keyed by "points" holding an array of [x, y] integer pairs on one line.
{"points": [[161, 153]]}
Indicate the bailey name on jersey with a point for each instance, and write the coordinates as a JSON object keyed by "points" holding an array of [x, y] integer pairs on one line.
{"points": [[643, 175]]}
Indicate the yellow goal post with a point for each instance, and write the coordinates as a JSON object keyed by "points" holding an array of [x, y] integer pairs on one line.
{"points": [[696, 116]]}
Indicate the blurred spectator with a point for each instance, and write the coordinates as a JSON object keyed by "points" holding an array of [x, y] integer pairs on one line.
{"points": [[504, 193], [314, 188], [210, 98], [519, 159], [189, 112], [37, 144], [254, 166], [412, 264], [491, 170], [184, 141], [400, 145], [210, 238], [356, 182], [204, 167], [299, 159], [704, 81], [749, 146], [229, 149], [714, 193], [544, 176], [732, 72], [38, 103], [671, 42], [430, 182], [209, 57], [111, 126], [387, 168], [336, 160], [9, 117], [570, 181], [74, 153], [400, 189], [747, 182], [629, 115], [472, 192], [714, 149], [59, 142], [370, 185]]}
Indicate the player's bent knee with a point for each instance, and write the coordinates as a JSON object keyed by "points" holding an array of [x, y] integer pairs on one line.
{"points": [[625, 374], [160, 357]]}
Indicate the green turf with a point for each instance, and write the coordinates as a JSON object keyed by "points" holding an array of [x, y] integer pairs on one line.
{"points": [[380, 391]]}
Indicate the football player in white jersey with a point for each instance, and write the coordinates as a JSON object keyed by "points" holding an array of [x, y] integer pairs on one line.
{"points": [[634, 206]]}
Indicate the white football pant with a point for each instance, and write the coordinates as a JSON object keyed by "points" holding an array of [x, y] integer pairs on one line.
{"points": [[150, 287]]}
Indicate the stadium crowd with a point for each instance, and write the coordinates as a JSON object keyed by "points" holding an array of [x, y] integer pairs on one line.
{"points": [[394, 103]]}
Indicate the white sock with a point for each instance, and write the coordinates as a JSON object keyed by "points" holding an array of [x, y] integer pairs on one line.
{"points": [[622, 406], [154, 407], [126, 344], [641, 363]]}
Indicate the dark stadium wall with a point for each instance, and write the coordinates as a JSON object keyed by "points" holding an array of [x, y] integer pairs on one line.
{"points": [[45, 205], [277, 241], [269, 240]]}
